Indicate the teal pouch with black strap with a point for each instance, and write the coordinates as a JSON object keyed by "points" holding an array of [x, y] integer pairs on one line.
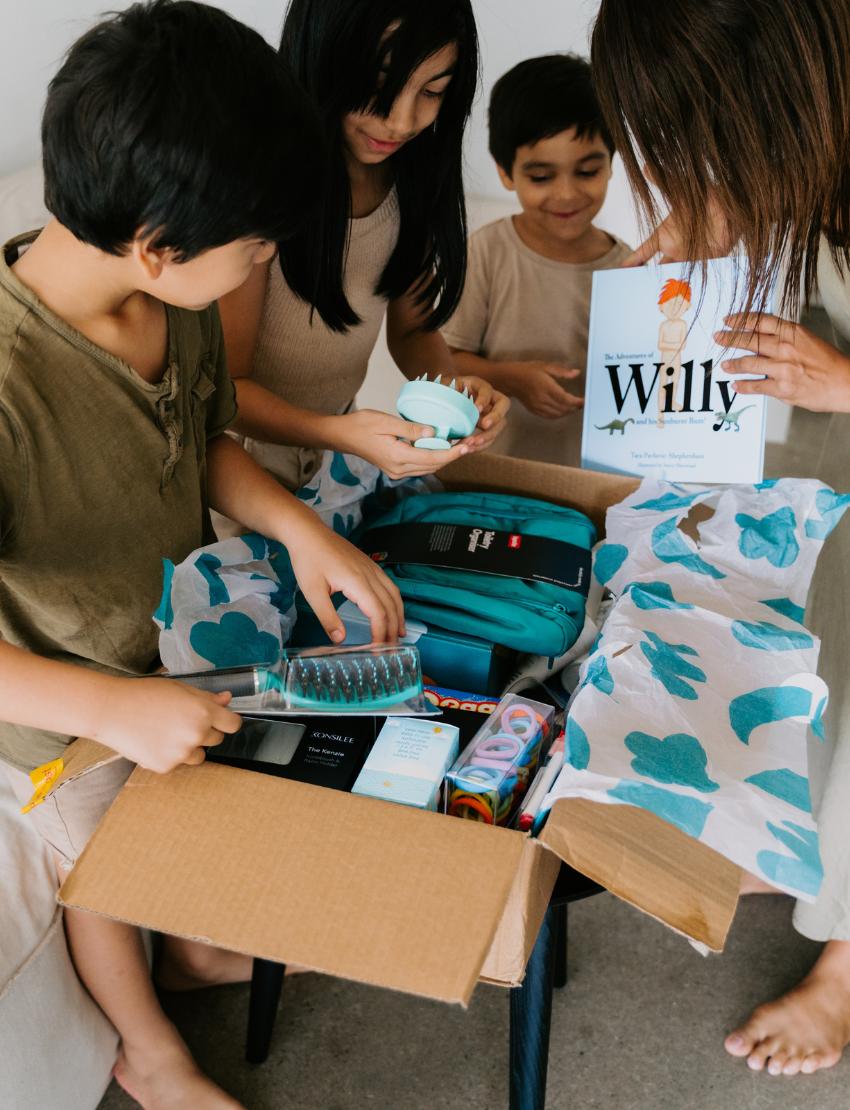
{"points": [[509, 569]]}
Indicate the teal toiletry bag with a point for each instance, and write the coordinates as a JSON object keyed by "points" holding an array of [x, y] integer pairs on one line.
{"points": [[508, 569]]}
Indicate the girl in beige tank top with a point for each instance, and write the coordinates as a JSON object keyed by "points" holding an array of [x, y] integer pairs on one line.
{"points": [[300, 331]]}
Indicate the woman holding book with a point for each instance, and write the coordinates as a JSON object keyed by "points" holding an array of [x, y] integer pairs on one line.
{"points": [[740, 115], [394, 82]]}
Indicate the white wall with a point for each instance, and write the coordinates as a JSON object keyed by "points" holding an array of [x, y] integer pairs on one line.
{"points": [[36, 34]]}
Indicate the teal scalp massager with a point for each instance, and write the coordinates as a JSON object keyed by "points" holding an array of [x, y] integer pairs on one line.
{"points": [[451, 414]]}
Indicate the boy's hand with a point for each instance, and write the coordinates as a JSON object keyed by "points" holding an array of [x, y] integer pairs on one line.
{"points": [[160, 723], [379, 438], [801, 369], [537, 385], [325, 563]]}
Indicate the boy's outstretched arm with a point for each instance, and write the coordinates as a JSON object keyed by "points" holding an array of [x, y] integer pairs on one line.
{"points": [[536, 384], [156, 722], [323, 562]]}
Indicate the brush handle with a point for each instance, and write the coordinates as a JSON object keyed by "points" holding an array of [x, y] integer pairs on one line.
{"points": [[241, 684]]}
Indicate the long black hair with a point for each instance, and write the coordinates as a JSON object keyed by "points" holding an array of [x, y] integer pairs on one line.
{"points": [[338, 49]]}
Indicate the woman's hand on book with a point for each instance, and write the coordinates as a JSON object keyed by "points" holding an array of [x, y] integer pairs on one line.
{"points": [[799, 368], [669, 239]]}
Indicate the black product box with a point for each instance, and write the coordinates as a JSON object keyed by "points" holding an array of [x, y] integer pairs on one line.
{"points": [[323, 751]]}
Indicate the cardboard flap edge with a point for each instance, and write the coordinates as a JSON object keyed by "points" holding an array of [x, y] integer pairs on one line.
{"points": [[650, 864]]}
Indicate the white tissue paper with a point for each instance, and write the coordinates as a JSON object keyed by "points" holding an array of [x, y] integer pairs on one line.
{"points": [[696, 700], [231, 604]]}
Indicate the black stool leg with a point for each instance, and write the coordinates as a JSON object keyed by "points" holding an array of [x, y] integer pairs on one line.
{"points": [[266, 984], [531, 1020], [561, 940]]}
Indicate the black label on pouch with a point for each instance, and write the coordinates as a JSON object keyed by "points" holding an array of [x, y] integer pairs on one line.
{"points": [[468, 547]]}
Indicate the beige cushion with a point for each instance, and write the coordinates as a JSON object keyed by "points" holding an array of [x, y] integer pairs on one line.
{"points": [[56, 1047], [22, 202]]}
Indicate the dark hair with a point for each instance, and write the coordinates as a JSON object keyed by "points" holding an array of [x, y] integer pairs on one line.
{"points": [[338, 48], [742, 102], [172, 118], [540, 98]]}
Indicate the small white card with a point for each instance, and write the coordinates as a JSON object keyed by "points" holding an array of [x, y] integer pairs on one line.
{"points": [[657, 402]]}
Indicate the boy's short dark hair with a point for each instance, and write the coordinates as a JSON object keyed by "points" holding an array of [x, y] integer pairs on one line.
{"points": [[172, 118], [540, 98]]}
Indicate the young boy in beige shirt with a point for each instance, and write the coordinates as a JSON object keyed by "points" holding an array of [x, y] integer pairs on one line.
{"points": [[522, 323], [170, 135]]}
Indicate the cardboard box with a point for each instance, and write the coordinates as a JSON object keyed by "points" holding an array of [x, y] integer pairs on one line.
{"points": [[371, 891]]}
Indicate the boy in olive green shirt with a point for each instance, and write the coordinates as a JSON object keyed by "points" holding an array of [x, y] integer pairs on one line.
{"points": [[169, 137]]}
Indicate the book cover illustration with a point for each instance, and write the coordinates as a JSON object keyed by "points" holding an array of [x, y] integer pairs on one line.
{"points": [[657, 401]]}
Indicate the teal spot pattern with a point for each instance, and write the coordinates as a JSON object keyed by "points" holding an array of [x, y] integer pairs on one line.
{"points": [[668, 545], [343, 526], [340, 472], [768, 483], [307, 493], [165, 612], [686, 813], [787, 608], [256, 544], [669, 501], [765, 706], [670, 668], [608, 560], [577, 748], [785, 784], [817, 720], [770, 538], [599, 676], [208, 565], [679, 759], [234, 642], [803, 871], [770, 637], [831, 507], [654, 595]]}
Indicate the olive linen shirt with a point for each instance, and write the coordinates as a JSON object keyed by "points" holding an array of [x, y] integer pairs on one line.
{"points": [[102, 476]]}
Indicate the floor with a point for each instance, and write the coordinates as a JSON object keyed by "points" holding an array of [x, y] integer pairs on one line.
{"points": [[640, 1023], [639, 1026]]}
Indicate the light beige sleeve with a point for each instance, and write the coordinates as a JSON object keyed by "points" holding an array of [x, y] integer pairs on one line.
{"points": [[465, 330]]}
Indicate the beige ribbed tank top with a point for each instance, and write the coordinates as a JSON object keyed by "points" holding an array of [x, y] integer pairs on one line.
{"points": [[302, 361]]}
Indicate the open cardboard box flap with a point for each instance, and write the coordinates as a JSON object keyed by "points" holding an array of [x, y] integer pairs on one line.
{"points": [[345, 884], [377, 892]]}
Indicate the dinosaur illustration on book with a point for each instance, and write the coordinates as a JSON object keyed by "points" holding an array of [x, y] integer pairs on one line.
{"points": [[614, 426], [725, 420]]}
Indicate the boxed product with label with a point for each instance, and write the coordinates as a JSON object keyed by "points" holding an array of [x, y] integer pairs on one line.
{"points": [[408, 762]]}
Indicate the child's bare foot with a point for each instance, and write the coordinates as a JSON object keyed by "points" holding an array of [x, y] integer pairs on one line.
{"points": [[188, 965], [173, 1083], [807, 1028]]}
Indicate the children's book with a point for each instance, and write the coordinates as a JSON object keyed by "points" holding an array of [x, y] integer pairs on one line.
{"points": [[657, 402]]}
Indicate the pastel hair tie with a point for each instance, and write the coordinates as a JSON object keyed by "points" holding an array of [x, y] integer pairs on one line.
{"points": [[501, 746], [525, 712]]}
